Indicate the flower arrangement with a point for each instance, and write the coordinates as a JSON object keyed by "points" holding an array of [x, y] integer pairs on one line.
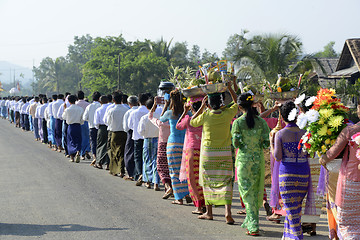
{"points": [[323, 122]]}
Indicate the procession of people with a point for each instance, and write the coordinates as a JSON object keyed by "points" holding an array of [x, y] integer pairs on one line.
{"points": [[195, 147]]}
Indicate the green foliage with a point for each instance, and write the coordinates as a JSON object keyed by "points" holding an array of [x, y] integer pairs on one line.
{"points": [[328, 52]]}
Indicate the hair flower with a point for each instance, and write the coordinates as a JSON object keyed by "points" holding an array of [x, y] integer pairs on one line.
{"points": [[299, 99], [292, 114]]}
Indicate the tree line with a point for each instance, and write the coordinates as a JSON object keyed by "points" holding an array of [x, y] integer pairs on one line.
{"points": [[106, 63]]}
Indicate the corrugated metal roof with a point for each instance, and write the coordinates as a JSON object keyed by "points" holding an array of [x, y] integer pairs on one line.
{"points": [[348, 72]]}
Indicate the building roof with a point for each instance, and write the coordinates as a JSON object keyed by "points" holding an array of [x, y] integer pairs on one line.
{"points": [[325, 66], [350, 54]]}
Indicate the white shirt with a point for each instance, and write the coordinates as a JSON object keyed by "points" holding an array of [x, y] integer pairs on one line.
{"points": [[73, 114], [114, 118], [111, 106], [61, 110], [55, 107], [42, 110], [126, 118], [99, 115], [2, 103], [37, 111], [146, 128], [90, 113], [134, 120], [49, 107], [24, 108]]}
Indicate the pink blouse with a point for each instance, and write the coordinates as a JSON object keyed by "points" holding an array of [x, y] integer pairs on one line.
{"points": [[164, 128], [193, 134]]}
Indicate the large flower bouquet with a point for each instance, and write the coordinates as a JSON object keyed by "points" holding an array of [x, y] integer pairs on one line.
{"points": [[323, 122]]}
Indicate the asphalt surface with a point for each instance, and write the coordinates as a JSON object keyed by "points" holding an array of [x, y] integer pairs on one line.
{"points": [[44, 196]]}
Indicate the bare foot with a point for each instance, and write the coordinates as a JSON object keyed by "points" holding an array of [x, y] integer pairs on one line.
{"points": [[229, 220], [205, 216]]}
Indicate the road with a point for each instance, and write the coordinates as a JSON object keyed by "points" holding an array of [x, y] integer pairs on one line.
{"points": [[44, 196]]}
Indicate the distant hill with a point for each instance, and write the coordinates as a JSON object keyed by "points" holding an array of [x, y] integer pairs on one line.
{"points": [[22, 74]]}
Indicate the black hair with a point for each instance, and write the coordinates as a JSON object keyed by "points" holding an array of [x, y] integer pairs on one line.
{"points": [[216, 101], [124, 98], [176, 103], [196, 105], [54, 97], [96, 96], [67, 94], [117, 98], [246, 100], [109, 97], [36, 99], [44, 100], [149, 103], [80, 95], [72, 99], [304, 107], [104, 99], [285, 109], [61, 96], [143, 97]]}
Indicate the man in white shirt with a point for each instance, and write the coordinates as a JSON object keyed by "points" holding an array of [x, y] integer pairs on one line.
{"points": [[42, 120], [32, 112], [129, 146], [58, 122], [73, 116], [114, 121], [85, 144], [3, 108], [102, 134], [64, 124], [17, 111], [24, 115], [133, 123], [89, 117], [51, 123], [150, 133]]}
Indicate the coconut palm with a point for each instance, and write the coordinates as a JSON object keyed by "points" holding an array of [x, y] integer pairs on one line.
{"points": [[266, 56]]}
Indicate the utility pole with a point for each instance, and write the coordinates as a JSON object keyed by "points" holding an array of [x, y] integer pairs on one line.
{"points": [[119, 60]]}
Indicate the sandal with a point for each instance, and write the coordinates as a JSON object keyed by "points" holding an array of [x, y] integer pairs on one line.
{"points": [[253, 233], [277, 220], [243, 211], [167, 194], [178, 202], [205, 217]]}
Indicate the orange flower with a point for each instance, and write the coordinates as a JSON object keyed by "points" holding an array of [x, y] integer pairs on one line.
{"points": [[279, 89]]}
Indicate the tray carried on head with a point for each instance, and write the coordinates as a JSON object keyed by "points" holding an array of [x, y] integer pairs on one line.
{"points": [[214, 88], [284, 95], [192, 92]]}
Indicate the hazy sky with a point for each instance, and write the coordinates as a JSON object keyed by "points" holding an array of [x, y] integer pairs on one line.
{"points": [[34, 29]]}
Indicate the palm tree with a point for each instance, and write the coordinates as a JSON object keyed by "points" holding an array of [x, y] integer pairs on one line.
{"points": [[266, 56]]}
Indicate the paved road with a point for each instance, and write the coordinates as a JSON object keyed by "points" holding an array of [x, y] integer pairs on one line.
{"points": [[44, 196]]}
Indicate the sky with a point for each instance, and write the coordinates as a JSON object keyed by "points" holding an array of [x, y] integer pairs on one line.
{"points": [[34, 29]]}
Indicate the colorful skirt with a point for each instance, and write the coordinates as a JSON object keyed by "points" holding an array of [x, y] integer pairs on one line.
{"points": [[192, 158], [331, 207], [174, 155], [349, 213], [162, 163], [150, 173], [250, 175], [293, 184], [319, 200], [216, 175]]}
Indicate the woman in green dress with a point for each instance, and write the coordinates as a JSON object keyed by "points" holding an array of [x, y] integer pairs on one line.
{"points": [[216, 164], [250, 134]]}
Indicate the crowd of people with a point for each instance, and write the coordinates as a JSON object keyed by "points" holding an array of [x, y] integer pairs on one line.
{"points": [[197, 149]]}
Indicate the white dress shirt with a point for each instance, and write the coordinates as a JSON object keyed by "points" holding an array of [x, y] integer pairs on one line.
{"points": [[134, 120], [42, 110], [99, 115], [61, 110], [24, 108], [146, 128], [90, 113], [55, 108], [37, 111], [126, 118], [49, 107], [114, 118], [73, 114]]}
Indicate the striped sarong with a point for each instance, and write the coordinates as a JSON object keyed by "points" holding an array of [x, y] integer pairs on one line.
{"points": [[293, 184], [174, 156], [216, 174], [331, 207], [192, 157], [162, 163], [349, 214]]}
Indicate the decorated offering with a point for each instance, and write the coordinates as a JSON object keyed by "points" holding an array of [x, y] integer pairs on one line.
{"points": [[324, 122], [284, 89]]}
